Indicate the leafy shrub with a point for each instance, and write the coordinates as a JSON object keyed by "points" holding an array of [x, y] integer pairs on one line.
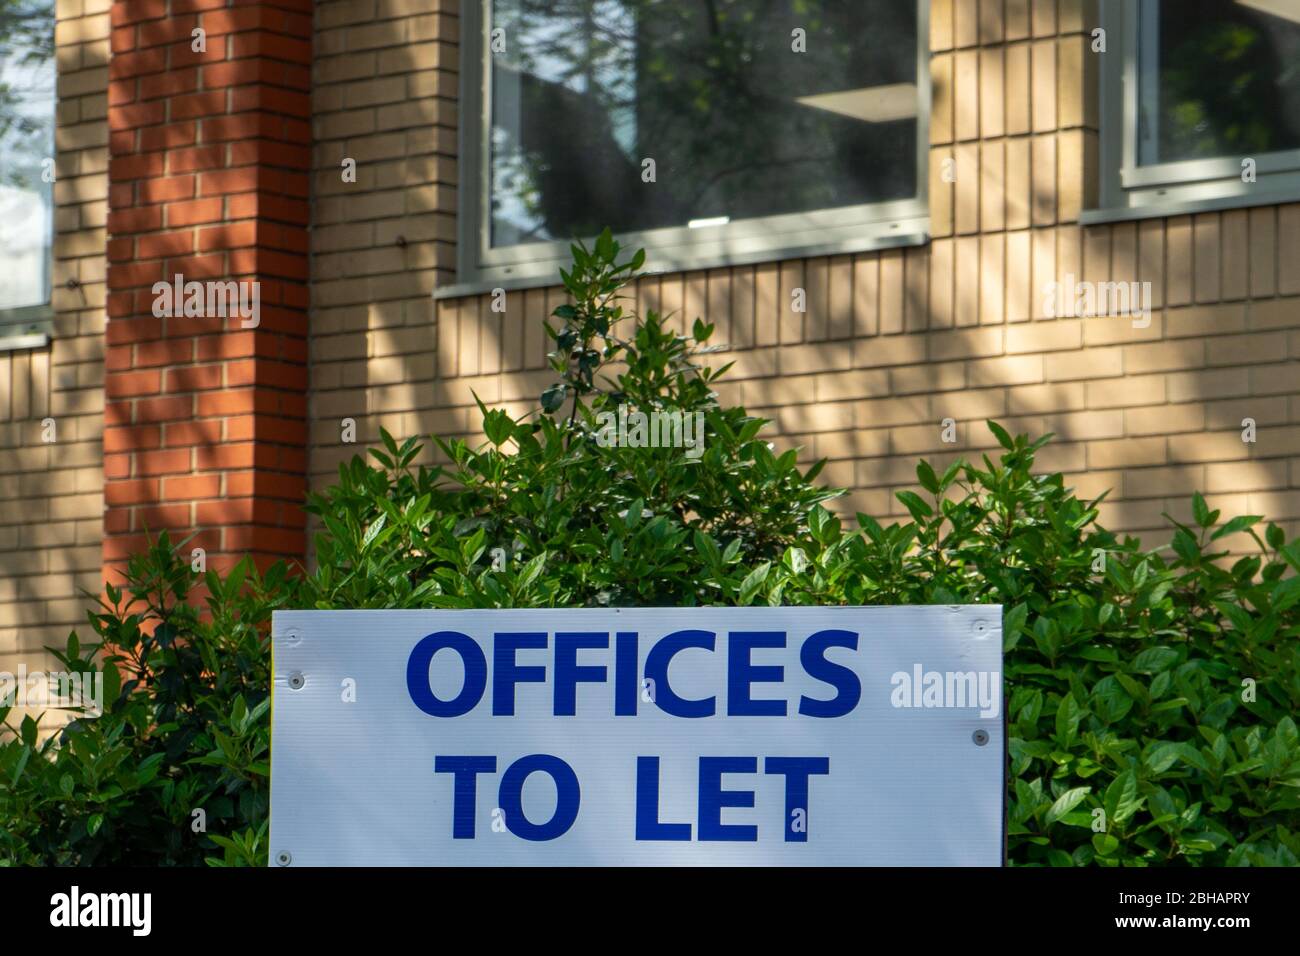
{"points": [[584, 523], [184, 727], [1149, 693]]}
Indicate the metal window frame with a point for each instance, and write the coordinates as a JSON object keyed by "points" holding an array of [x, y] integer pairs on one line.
{"points": [[28, 320], [769, 238], [1129, 189], [28, 327]]}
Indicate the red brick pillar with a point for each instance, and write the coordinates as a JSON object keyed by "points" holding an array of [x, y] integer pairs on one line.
{"points": [[205, 415]]}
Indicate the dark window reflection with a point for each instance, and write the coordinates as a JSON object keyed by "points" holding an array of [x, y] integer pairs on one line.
{"points": [[1219, 78], [737, 123]]}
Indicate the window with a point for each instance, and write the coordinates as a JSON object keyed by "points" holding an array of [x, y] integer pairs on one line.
{"points": [[710, 131], [27, 85], [1201, 107]]}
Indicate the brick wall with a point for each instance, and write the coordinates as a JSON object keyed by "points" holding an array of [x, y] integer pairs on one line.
{"points": [[205, 414], [893, 342], [51, 498], [384, 96]]}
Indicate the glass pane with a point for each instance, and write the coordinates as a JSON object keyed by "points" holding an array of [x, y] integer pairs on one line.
{"points": [[27, 84], [738, 124], [1218, 78]]}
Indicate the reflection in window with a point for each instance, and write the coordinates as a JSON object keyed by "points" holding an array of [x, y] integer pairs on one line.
{"points": [[27, 96], [738, 124], [1218, 78]]}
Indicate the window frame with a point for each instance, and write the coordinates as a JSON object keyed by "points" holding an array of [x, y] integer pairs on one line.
{"points": [[29, 326], [26, 320], [1129, 189], [834, 231]]}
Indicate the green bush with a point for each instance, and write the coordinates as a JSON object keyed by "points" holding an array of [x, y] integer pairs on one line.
{"points": [[1148, 693], [185, 727]]}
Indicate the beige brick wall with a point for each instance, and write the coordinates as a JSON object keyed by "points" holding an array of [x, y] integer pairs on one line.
{"points": [[893, 342], [51, 502], [384, 95]]}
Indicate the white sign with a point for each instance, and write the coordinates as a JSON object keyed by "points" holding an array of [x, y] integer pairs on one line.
{"points": [[638, 736]]}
